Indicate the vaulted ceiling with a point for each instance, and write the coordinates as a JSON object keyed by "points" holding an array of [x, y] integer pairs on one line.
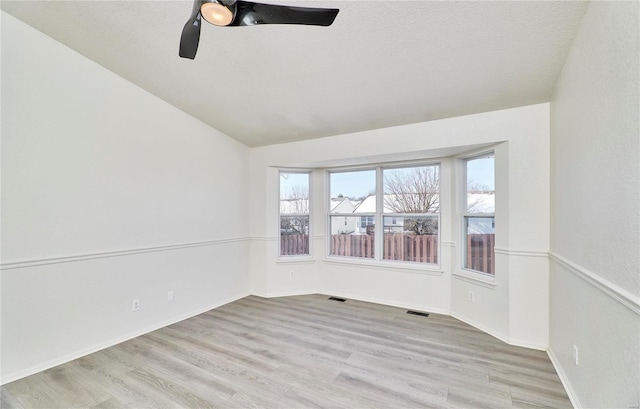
{"points": [[382, 63]]}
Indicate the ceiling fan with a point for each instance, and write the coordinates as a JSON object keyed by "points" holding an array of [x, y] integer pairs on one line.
{"points": [[246, 13]]}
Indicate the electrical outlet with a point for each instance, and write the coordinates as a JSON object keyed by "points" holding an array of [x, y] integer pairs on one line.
{"points": [[135, 306], [292, 274], [472, 296], [575, 354], [170, 296]]}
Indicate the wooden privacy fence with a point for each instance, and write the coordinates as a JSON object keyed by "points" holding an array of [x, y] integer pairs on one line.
{"points": [[294, 244], [403, 247], [480, 254], [353, 245]]}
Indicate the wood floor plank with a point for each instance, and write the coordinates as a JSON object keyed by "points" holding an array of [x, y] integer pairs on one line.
{"points": [[388, 396], [35, 392], [300, 352], [235, 371], [9, 400], [111, 403], [532, 397], [77, 387], [162, 386], [295, 398], [334, 393]]}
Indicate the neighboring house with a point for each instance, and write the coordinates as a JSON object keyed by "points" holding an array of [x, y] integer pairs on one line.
{"points": [[342, 205], [392, 224], [346, 224], [368, 205], [482, 226], [367, 221], [479, 202]]}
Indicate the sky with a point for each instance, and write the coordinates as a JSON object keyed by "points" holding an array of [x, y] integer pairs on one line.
{"points": [[353, 185], [481, 171], [289, 180]]}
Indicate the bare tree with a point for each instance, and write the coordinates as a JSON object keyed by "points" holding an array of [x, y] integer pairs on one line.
{"points": [[474, 201], [414, 191], [295, 210], [298, 197]]}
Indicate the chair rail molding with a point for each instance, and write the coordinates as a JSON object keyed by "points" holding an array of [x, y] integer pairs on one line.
{"points": [[116, 253], [619, 294]]}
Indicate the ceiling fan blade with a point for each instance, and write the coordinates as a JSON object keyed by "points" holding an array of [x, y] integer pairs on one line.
{"points": [[191, 33], [250, 14]]}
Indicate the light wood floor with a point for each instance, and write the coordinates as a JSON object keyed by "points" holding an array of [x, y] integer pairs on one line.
{"points": [[301, 352]]}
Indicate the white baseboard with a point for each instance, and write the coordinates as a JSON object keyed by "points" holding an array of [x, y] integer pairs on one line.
{"points": [[573, 397], [528, 344], [84, 352], [282, 294], [481, 327], [504, 338]]}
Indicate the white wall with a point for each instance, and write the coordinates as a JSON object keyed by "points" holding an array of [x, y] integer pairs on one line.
{"points": [[595, 233], [506, 308], [108, 194]]}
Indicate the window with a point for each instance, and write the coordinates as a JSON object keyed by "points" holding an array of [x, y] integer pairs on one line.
{"points": [[294, 214], [479, 214], [352, 200], [412, 196], [403, 200], [366, 221]]}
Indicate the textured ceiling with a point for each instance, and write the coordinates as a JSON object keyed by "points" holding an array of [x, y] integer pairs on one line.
{"points": [[382, 63]]}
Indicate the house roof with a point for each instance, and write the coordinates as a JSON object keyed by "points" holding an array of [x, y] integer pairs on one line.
{"points": [[382, 63], [341, 205], [368, 205]]}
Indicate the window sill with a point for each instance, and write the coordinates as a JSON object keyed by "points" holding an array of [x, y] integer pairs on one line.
{"points": [[484, 280], [295, 259], [414, 268]]}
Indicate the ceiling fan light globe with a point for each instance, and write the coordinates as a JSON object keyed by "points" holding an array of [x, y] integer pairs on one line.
{"points": [[217, 14]]}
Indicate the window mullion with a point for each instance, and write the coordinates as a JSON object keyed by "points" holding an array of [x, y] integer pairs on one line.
{"points": [[379, 231]]}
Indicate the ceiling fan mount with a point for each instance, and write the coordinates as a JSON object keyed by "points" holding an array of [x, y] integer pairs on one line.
{"points": [[226, 13]]}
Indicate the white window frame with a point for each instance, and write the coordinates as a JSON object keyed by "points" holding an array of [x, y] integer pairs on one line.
{"points": [[465, 214], [329, 215], [296, 257], [378, 259]]}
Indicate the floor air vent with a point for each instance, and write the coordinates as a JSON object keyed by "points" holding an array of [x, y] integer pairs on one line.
{"points": [[337, 299], [422, 314]]}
